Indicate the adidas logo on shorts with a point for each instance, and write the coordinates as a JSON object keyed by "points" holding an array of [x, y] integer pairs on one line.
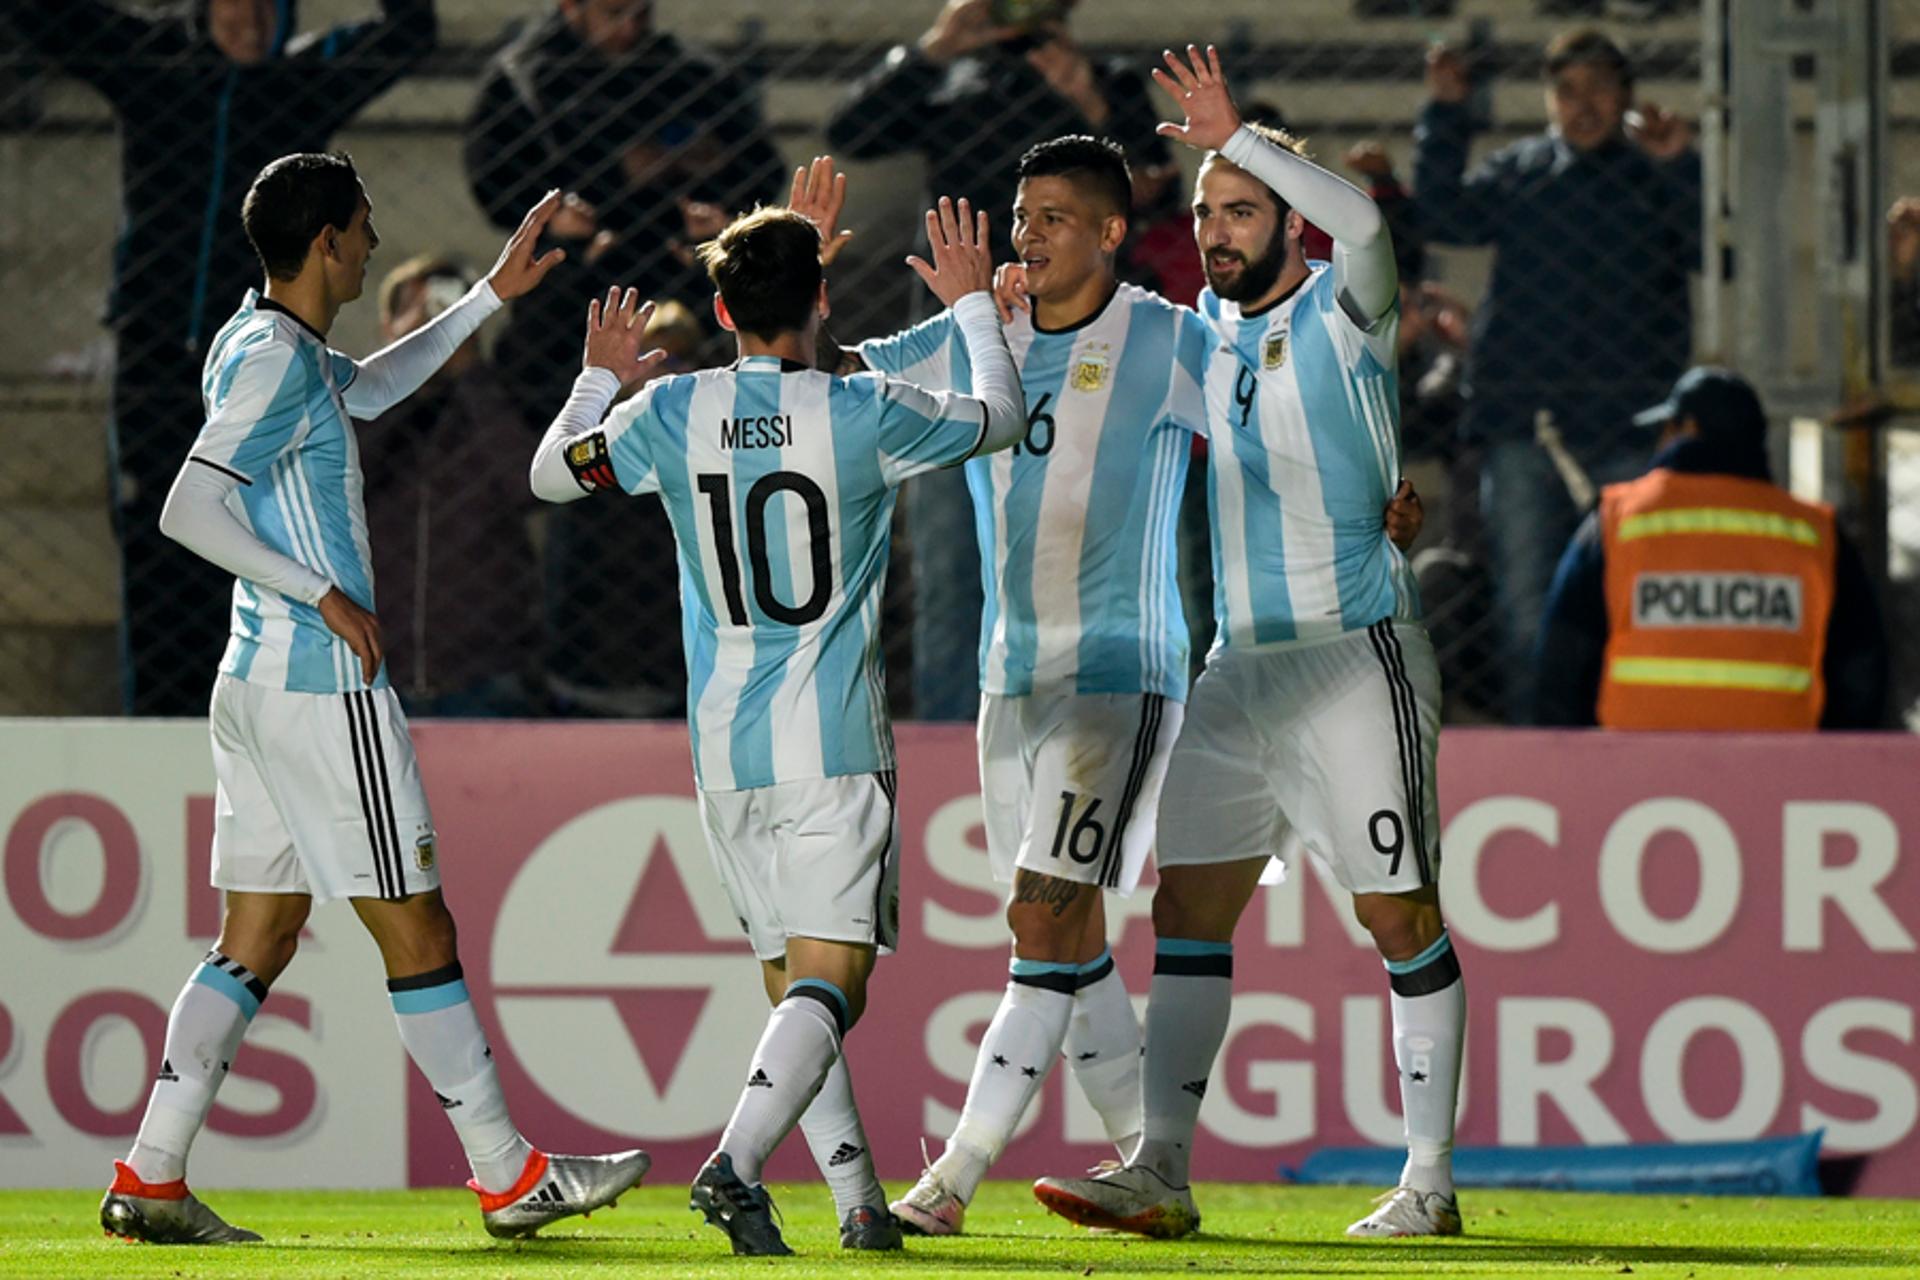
{"points": [[759, 1080]]}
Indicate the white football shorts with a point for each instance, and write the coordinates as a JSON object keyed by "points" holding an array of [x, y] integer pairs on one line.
{"points": [[317, 793], [1070, 782], [818, 858], [1330, 744]]}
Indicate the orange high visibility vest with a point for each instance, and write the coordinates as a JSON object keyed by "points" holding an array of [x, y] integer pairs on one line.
{"points": [[1718, 593]]}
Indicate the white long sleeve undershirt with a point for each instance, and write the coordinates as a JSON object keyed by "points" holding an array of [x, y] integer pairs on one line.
{"points": [[197, 517], [399, 369], [996, 384], [1366, 280]]}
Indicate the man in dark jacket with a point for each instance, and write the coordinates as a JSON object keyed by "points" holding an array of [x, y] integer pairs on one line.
{"points": [[657, 147], [448, 514], [972, 97], [1712, 425], [1595, 225], [204, 97]]}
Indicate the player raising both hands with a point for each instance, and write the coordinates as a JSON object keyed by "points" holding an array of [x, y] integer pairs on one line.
{"points": [[1316, 720]]}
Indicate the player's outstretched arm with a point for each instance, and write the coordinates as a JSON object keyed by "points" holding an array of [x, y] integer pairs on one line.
{"points": [[1364, 273], [395, 372], [961, 276], [616, 357]]}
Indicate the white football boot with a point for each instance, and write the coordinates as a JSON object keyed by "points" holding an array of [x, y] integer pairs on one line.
{"points": [[1405, 1211], [931, 1208], [1123, 1198], [555, 1187]]}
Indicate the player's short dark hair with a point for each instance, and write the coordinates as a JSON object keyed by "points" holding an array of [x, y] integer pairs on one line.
{"points": [[766, 265], [1588, 45], [292, 201], [1098, 165]]}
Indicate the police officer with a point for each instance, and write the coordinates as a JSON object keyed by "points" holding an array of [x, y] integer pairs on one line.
{"points": [[1704, 596]]}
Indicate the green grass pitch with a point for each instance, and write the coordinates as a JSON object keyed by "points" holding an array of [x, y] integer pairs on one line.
{"points": [[1249, 1230]]}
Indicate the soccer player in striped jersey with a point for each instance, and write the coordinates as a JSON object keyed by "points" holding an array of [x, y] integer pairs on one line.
{"points": [[779, 482], [1315, 721], [1083, 645], [318, 795]]}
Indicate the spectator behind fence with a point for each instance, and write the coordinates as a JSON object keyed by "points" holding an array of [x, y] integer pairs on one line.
{"points": [[971, 97], [1903, 263], [204, 96], [1703, 596], [1595, 225], [655, 146], [612, 643], [448, 518]]}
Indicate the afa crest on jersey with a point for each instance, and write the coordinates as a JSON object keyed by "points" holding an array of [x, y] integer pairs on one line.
{"points": [[1090, 372], [1274, 353]]}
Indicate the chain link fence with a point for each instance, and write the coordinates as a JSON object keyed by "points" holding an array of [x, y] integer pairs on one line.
{"points": [[1549, 288]]}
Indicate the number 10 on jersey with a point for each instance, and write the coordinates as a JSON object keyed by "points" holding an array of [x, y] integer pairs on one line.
{"points": [[718, 488]]}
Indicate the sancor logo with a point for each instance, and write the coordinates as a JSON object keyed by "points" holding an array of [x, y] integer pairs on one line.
{"points": [[1769, 601], [618, 973]]}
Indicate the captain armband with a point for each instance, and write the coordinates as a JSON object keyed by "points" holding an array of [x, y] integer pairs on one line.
{"points": [[588, 460]]}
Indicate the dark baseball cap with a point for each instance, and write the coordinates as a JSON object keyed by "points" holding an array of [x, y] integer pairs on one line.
{"points": [[1720, 400]]}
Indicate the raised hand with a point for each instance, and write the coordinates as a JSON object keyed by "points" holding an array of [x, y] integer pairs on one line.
{"points": [[360, 629], [1659, 132], [616, 332], [1447, 78], [962, 262], [961, 27], [819, 194], [1200, 88], [1010, 290], [518, 271]]}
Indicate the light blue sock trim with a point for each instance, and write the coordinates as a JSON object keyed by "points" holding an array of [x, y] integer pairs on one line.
{"points": [[229, 986], [1034, 968], [430, 999], [1440, 947], [1106, 955], [1188, 947], [839, 996]]}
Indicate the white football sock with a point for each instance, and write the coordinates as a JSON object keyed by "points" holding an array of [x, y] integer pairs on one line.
{"points": [[789, 1065], [1429, 1028], [839, 1143], [1187, 1011], [209, 1019], [1103, 1047], [442, 1034], [1019, 1048]]}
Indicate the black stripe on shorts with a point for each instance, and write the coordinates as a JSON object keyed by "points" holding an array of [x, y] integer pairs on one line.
{"points": [[1152, 707], [376, 794], [1406, 732]]}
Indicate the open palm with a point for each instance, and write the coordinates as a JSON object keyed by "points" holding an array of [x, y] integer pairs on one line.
{"points": [[1199, 86]]}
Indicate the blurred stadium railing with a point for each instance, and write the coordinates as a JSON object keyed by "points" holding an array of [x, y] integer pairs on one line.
{"points": [[478, 124]]}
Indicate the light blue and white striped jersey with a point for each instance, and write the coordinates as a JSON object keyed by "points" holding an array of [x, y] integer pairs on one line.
{"points": [[779, 482], [276, 423], [1076, 525], [1303, 409]]}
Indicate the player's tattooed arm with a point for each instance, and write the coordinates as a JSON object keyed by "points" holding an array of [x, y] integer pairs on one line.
{"points": [[1047, 891]]}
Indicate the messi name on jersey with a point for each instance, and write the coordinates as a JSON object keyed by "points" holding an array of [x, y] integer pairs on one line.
{"points": [[768, 431]]}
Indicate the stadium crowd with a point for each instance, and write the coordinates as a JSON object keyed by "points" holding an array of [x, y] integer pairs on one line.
{"points": [[1516, 408]]}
